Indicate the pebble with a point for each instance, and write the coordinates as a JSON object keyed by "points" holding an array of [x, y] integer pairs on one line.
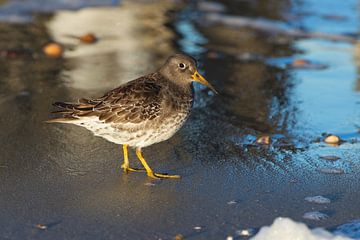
{"points": [[318, 199], [179, 237], [332, 139], [88, 38], [41, 226], [263, 140], [229, 238], [231, 202], [330, 157], [334, 17], [305, 64], [53, 50], [299, 62], [246, 232], [315, 216], [197, 228]]}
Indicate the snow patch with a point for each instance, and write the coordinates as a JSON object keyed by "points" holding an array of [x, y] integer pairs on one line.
{"points": [[287, 229]]}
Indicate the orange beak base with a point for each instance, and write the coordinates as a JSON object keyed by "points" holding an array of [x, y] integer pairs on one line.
{"points": [[198, 78]]}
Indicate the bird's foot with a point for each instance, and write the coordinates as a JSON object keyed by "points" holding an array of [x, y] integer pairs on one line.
{"points": [[162, 175], [128, 169]]}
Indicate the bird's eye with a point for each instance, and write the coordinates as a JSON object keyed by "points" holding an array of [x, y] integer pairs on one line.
{"points": [[182, 66]]}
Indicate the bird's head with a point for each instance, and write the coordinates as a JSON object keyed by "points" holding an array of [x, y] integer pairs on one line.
{"points": [[182, 69]]}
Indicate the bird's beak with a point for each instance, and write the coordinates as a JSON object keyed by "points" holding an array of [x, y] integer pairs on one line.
{"points": [[198, 78]]}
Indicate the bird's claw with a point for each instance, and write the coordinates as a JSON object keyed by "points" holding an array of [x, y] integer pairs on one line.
{"points": [[128, 169], [162, 175]]}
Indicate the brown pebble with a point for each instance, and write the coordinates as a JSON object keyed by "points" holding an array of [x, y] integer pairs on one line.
{"points": [[88, 38], [332, 139], [263, 140], [179, 237], [299, 62], [53, 50], [41, 226]]}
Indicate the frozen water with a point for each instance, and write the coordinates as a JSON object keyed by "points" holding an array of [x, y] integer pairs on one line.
{"points": [[287, 229]]}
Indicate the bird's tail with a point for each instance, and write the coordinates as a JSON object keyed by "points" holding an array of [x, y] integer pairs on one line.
{"points": [[71, 112]]}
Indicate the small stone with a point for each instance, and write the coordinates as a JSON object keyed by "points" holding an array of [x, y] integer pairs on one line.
{"points": [[330, 157], [318, 199], [334, 17], [179, 237], [88, 38], [300, 62], [53, 50], [265, 140], [245, 232], [41, 226], [229, 238], [332, 139], [232, 202], [197, 228], [315, 216], [305, 64]]}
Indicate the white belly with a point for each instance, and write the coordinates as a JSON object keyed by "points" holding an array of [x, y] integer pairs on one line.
{"points": [[142, 137]]}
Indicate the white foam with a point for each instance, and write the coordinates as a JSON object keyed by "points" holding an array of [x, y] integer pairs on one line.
{"points": [[287, 229]]}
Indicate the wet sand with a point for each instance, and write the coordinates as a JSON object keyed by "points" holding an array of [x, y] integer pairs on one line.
{"points": [[62, 177]]}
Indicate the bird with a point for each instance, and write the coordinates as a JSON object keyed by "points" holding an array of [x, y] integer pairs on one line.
{"points": [[141, 112]]}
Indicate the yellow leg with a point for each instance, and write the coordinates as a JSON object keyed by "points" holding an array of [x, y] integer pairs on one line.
{"points": [[150, 172], [126, 164]]}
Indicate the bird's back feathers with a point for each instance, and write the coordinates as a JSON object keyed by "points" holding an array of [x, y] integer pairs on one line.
{"points": [[134, 102]]}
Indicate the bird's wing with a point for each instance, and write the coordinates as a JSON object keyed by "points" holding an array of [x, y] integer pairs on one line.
{"points": [[135, 102]]}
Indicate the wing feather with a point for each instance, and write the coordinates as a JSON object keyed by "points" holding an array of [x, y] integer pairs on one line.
{"points": [[135, 102]]}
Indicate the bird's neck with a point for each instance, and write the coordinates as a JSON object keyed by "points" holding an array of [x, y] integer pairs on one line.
{"points": [[179, 86]]}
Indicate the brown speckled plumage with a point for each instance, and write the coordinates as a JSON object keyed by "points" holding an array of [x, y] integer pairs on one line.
{"points": [[141, 112]]}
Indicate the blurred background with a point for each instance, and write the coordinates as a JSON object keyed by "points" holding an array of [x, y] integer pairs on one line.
{"points": [[288, 76]]}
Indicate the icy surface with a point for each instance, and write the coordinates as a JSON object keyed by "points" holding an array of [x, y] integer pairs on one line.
{"points": [[287, 229]]}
